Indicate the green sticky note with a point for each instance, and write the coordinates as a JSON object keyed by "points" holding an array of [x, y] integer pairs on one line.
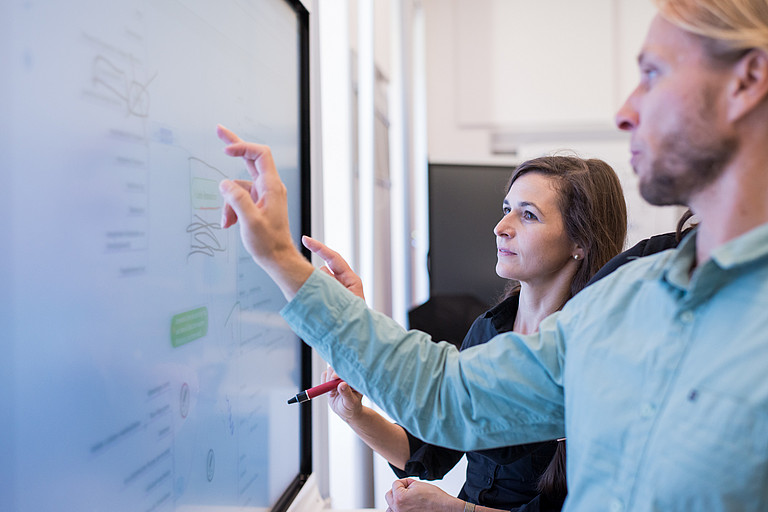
{"points": [[205, 194], [189, 326]]}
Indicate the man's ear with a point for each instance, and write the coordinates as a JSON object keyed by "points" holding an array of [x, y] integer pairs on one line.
{"points": [[749, 87]]}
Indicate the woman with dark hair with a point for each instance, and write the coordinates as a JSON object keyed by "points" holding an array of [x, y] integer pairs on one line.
{"points": [[563, 218]]}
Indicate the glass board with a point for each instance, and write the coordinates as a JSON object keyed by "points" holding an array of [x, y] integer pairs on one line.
{"points": [[144, 365]]}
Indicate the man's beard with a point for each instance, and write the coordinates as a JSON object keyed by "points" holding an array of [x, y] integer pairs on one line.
{"points": [[689, 158], [682, 169]]}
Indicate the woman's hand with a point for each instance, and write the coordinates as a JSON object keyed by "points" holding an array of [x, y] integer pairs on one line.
{"points": [[335, 266], [344, 401], [409, 495]]}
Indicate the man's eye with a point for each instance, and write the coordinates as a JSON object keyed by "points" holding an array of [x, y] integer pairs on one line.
{"points": [[649, 74]]}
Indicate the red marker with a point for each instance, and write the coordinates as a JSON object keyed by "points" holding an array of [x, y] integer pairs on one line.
{"points": [[316, 391]]}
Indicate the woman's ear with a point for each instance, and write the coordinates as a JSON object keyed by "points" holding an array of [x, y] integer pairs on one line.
{"points": [[749, 87], [578, 253]]}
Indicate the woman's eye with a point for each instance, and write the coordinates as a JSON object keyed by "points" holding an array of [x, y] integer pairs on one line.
{"points": [[505, 210], [528, 215]]}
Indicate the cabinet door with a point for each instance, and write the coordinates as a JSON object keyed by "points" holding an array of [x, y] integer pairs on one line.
{"points": [[554, 62]]}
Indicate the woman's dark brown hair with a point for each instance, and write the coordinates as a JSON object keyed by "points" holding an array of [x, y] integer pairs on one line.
{"points": [[681, 230], [592, 204], [591, 201]]}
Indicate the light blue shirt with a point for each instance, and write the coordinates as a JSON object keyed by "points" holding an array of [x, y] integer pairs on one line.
{"points": [[659, 379]]}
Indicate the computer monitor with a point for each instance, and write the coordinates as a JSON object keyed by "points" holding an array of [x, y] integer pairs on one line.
{"points": [[144, 363]]}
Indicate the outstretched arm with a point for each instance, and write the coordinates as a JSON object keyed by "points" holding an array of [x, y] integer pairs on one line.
{"points": [[502, 393]]}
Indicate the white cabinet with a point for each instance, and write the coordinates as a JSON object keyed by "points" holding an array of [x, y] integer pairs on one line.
{"points": [[538, 69], [546, 62]]}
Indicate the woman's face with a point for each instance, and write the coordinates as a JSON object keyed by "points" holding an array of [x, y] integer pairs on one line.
{"points": [[531, 242]]}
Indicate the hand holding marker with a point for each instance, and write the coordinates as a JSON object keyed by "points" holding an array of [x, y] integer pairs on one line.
{"points": [[316, 391]]}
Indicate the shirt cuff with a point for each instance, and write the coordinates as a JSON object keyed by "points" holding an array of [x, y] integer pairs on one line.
{"points": [[317, 307]]}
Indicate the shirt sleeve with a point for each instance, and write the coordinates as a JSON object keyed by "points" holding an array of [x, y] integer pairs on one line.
{"points": [[507, 391], [427, 461]]}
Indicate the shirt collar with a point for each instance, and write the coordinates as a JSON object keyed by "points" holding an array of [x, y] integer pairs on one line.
{"points": [[503, 314], [677, 268], [744, 249], [747, 248]]}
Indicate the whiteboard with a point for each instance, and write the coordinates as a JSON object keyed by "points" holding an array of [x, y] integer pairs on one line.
{"points": [[145, 365]]}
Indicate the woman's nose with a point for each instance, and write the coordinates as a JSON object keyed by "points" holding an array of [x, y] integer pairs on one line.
{"points": [[503, 228]]}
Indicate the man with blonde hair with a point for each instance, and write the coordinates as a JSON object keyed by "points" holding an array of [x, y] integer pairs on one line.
{"points": [[656, 373]]}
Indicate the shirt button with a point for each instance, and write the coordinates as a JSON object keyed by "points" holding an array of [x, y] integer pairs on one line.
{"points": [[686, 317], [647, 410], [617, 506]]}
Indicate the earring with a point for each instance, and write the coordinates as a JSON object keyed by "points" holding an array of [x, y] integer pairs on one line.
{"points": [[576, 257]]}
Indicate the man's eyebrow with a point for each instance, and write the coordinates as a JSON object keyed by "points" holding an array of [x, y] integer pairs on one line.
{"points": [[645, 57]]}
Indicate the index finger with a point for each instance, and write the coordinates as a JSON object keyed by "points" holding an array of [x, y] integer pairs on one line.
{"points": [[258, 153], [333, 259], [227, 135], [258, 157]]}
